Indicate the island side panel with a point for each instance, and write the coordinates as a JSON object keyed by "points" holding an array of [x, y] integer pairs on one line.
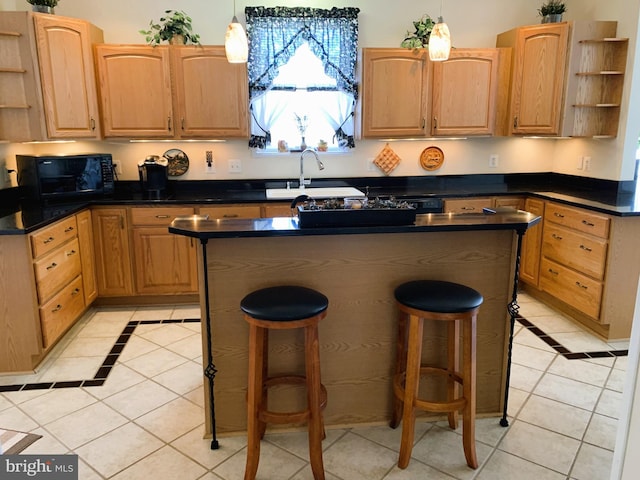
{"points": [[358, 273]]}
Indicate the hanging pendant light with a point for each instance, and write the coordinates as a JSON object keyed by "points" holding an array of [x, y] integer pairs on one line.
{"points": [[440, 40], [236, 45]]}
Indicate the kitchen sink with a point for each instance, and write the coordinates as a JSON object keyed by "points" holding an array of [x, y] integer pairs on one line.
{"points": [[313, 192]]}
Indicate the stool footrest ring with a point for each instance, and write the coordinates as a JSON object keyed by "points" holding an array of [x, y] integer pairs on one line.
{"points": [[443, 406], [301, 416]]}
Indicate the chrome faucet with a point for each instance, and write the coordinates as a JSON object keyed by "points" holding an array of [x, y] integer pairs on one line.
{"points": [[320, 166]]}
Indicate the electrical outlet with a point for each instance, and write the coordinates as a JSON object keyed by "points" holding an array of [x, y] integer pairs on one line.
{"points": [[209, 163], [235, 166], [493, 160], [586, 163], [117, 167], [580, 164]]}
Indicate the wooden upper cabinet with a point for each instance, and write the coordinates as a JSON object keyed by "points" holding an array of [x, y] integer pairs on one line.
{"points": [[135, 90], [67, 75], [538, 77], [395, 88], [211, 94], [465, 90]]}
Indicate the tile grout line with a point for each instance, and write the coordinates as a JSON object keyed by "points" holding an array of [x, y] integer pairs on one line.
{"points": [[105, 368]]}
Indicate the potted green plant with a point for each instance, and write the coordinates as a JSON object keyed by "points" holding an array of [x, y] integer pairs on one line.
{"points": [[552, 11], [174, 27], [420, 37], [43, 6]]}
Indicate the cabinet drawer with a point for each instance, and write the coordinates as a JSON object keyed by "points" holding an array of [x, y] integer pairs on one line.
{"points": [[579, 291], [157, 217], [582, 220], [584, 253], [48, 238], [467, 205], [61, 311], [232, 211], [57, 269]]}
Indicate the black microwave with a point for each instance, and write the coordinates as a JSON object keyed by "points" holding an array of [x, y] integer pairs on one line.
{"points": [[50, 178]]}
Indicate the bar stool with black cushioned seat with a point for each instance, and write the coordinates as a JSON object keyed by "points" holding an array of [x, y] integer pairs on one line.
{"points": [[440, 301], [282, 308]]}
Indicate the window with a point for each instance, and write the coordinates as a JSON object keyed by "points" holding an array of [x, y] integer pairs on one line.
{"points": [[302, 75]]}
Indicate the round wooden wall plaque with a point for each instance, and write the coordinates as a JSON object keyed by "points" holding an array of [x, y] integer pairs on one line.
{"points": [[431, 158]]}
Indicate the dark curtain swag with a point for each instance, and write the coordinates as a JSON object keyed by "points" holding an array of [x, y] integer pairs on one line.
{"points": [[275, 33]]}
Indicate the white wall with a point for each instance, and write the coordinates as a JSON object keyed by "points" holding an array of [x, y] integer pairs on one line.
{"points": [[472, 23]]}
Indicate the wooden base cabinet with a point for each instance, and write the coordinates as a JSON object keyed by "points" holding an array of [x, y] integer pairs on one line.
{"points": [[113, 258], [42, 285], [589, 266], [163, 263]]}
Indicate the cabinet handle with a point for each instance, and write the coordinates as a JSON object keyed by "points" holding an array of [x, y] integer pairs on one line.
{"points": [[169, 123], [515, 122], [585, 248], [557, 237], [53, 265], [49, 240], [468, 208], [182, 124], [71, 252], [57, 308], [68, 229], [121, 222], [588, 224], [162, 216], [553, 272], [92, 122], [584, 287], [435, 123], [75, 292], [424, 122], [230, 215], [559, 215]]}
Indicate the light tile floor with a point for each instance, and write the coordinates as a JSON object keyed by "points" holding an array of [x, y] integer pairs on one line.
{"points": [[146, 421]]}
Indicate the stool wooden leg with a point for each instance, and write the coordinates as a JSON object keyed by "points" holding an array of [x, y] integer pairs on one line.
{"points": [[265, 375], [469, 392], [254, 399], [401, 365], [453, 365], [316, 429], [414, 354]]}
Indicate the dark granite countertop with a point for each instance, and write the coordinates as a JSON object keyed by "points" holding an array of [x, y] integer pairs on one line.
{"points": [[285, 227], [609, 197]]}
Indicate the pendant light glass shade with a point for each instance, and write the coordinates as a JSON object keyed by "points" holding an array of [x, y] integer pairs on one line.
{"points": [[439, 42], [236, 45]]}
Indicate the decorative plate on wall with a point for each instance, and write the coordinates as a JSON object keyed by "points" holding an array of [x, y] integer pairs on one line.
{"points": [[431, 158], [178, 162]]}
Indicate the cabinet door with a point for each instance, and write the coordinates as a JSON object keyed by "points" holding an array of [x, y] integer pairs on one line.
{"points": [[113, 260], [135, 91], [164, 262], [465, 92], [87, 256], [532, 244], [67, 75], [538, 78], [211, 94], [395, 86]]}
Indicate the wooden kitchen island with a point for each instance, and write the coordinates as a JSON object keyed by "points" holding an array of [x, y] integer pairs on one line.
{"points": [[357, 268]]}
